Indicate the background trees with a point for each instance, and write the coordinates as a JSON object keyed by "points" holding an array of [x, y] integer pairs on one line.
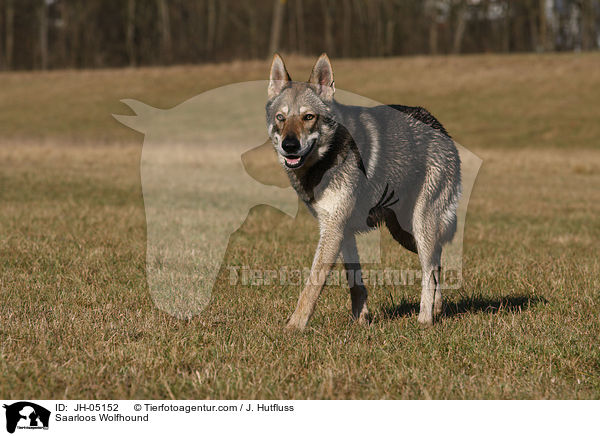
{"points": [[39, 34]]}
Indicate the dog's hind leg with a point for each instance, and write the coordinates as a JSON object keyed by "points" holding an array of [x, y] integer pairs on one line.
{"points": [[429, 248], [358, 291], [431, 295], [437, 301], [398, 233]]}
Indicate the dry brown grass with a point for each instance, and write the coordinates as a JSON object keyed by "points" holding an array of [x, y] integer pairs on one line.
{"points": [[75, 309], [485, 101]]}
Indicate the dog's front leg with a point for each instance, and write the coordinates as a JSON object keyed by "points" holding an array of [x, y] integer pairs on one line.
{"points": [[328, 250]]}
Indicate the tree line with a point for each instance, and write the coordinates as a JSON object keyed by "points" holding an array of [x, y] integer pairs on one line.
{"points": [[43, 34]]}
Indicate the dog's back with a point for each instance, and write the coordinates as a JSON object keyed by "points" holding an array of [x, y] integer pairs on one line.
{"points": [[409, 150], [421, 114]]}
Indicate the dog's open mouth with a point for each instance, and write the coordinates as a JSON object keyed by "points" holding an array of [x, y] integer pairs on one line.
{"points": [[293, 161]]}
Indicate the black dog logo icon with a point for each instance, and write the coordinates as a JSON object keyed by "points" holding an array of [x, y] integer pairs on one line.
{"points": [[26, 415]]}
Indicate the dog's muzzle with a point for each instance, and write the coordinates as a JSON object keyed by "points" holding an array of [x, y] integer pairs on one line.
{"points": [[292, 152]]}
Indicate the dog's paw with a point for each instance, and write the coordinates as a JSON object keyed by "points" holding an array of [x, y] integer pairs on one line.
{"points": [[295, 323], [425, 321], [294, 327], [362, 318]]}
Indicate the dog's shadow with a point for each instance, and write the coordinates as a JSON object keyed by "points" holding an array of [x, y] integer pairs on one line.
{"points": [[467, 305]]}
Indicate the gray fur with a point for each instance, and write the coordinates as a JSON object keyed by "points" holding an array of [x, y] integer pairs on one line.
{"points": [[350, 157]]}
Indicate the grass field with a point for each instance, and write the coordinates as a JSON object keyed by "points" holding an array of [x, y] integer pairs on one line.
{"points": [[77, 321]]}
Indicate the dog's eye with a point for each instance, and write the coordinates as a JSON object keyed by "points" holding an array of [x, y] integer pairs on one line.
{"points": [[308, 117], [280, 117]]}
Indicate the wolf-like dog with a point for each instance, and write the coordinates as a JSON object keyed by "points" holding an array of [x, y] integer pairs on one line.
{"points": [[359, 167]]}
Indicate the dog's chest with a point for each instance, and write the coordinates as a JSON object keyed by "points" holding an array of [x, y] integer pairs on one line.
{"points": [[330, 201], [344, 205]]}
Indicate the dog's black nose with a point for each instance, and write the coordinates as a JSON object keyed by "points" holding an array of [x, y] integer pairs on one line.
{"points": [[290, 144]]}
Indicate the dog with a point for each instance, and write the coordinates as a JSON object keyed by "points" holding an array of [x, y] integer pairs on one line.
{"points": [[359, 167]]}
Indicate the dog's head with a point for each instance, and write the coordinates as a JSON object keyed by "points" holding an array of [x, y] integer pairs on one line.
{"points": [[299, 117]]}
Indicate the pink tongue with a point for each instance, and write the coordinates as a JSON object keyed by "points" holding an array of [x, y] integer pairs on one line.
{"points": [[293, 161]]}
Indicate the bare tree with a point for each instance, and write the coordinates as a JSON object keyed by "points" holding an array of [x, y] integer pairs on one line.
{"points": [[43, 14], [278, 9], [130, 32], [347, 29], [2, 34], [459, 31], [389, 27], [533, 25], [62, 41], [519, 17], [165, 31], [378, 40], [588, 28], [373, 28], [222, 23], [328, 24], [300, 26], [293, 32], [252, 28], [9, 16], [543, 38], [506, 26], [432, 16], [211, 22], [361, 34]]}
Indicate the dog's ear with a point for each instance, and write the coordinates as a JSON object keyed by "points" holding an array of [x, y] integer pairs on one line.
{"points": [[279, 76], [322, 77]]}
